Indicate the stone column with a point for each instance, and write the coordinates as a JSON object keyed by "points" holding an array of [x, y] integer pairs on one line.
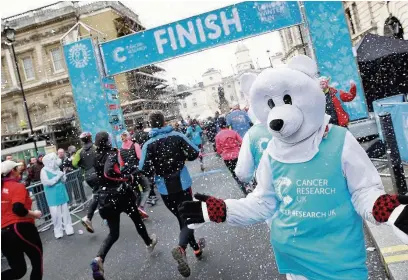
{"points": [[12, 68]]}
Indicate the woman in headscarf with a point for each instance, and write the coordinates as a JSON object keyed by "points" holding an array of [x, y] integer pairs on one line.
{"points": [[53, 180]]}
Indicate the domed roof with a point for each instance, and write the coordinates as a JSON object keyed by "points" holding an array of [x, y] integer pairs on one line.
{"points": [[241, 48]]}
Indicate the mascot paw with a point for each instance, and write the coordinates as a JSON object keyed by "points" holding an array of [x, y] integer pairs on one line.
{"points": [[385, 204], [192, 211], [398, 220]]}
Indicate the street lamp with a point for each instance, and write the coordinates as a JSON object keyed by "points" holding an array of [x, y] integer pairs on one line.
{"points": [[10, 35], [270, 60]]}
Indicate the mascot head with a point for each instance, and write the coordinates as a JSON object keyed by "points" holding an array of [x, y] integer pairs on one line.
{"points": [[288, 100]]}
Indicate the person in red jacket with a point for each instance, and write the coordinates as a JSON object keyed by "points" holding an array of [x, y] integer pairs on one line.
{"points": [[19, 235], [333, 104], [228, 143]]}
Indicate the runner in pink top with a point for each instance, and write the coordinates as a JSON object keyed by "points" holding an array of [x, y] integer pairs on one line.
{"points": [[228, 143]]}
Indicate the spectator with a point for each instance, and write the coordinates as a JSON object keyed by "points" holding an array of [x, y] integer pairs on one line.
{"points": [[34, 176], [24, 173], [35, 169], [62, 156], [67, 165], [140, 136], [238, 120], [9, 157], [57, 197]]}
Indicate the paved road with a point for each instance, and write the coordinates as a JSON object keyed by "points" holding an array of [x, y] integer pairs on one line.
{"points": [[232, 253]]}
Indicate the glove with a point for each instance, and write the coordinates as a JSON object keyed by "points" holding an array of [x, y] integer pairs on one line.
{"points": [[192, 211]]}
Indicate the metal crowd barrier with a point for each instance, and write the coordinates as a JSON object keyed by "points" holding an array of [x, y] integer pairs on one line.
{"points": [[76, 193]]}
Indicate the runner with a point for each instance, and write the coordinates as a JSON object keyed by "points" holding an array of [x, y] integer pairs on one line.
{"points": [[228, 142], [129, 156], [163, 158], [194, 133], [114, 198], [238, 120], [19, 235], [85, 159]]}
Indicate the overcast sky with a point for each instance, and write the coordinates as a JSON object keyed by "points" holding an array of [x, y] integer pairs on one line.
{"points": [[155, 13]]}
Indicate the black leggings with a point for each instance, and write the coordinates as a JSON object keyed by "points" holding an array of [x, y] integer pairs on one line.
{"points": [[172, 202], [111, 208], [16, 240], [231, 164], [92, 207]]}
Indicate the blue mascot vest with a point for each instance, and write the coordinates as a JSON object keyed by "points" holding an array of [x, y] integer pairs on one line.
{"points": [[316, 232]]}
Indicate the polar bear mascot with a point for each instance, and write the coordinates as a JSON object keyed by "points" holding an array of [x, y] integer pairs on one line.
{"points": [[315, 182]]}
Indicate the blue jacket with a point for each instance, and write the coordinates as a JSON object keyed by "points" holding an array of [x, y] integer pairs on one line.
{"points": [[163, 158], [239, 121]]}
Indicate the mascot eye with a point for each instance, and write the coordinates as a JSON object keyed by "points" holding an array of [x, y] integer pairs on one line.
{"points": [[271, 104], [287, 99]]}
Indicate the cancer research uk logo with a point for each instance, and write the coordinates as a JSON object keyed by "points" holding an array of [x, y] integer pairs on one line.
{"points": [[79, 55], [282, 186]]}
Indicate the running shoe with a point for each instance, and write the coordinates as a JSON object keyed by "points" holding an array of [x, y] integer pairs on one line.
{"points": [[202, 167], [143, 213], [97, 269], [154, 239], [199, 253], [179, 254], [87, 223]]}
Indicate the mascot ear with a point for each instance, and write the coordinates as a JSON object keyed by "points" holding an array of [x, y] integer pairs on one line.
{"points": [[246, 80], [303, 64]]}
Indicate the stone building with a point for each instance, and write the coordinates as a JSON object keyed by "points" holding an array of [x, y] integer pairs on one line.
{"points": [[44, 75], [203, 101], [386, 18]]}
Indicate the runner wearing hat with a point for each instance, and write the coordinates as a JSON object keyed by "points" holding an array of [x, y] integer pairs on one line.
{"points": [[18, 232]]}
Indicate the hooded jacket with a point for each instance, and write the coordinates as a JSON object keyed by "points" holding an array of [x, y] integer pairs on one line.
{"points": [[163, 158], [228, 142]]}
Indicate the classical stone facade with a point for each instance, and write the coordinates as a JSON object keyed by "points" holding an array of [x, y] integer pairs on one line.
{"points": [[203, 100], [362, 17], [43, 71]]}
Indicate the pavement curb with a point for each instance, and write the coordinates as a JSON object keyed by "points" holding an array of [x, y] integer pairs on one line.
{"points": [[393, 253], [377, 247]]}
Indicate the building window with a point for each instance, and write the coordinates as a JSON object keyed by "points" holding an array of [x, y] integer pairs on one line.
{"points": [[28, 68], [356, 17], [211, 78], [213, 88], [184, 105], [56, 58], [229, 86], [232, 98], [194, 102]]}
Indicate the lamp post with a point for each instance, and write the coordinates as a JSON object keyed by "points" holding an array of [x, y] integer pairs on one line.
{"points": [[270, 60], [10, 35]]}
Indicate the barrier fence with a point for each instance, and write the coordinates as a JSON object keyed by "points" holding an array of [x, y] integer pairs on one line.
{"points": [[77, 192]]}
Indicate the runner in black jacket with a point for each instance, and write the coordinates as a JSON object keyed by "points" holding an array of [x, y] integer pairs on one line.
{"points": [[163, 158], [114, 198]]}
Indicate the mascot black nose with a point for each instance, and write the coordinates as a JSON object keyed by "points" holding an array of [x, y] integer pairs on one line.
{"points": [[276, 125]]}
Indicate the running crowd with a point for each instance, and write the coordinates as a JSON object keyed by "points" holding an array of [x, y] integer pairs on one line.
{"points": [[122, 180]]}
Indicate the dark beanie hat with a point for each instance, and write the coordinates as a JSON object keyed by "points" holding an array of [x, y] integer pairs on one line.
{"points": [[222, 122], [102, 139]]}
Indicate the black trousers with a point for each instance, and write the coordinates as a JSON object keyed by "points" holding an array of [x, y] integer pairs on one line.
{"points": [[94, 203], [231, 164], [172, 202], [111, 206], [19, 239]]}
